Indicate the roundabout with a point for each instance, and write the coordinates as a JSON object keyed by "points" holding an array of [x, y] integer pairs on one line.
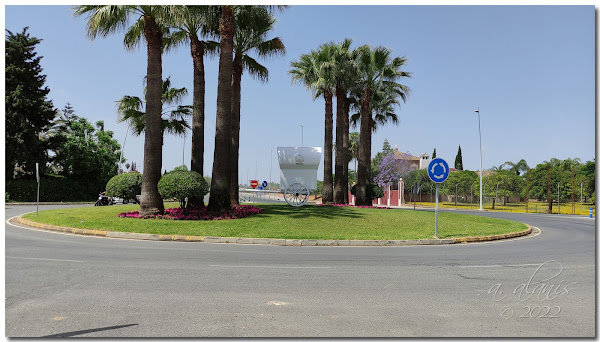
{"points": [[70, 285]]}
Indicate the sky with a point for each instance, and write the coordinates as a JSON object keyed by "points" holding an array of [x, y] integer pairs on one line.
{"points": [[529, 69]]}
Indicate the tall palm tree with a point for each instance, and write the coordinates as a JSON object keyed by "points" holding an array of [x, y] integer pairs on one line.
{"points": [[253, 25], [344, 78], [194, 23], [220, 196], [148, 25], [173, 119], [316, 72], [375, 68]]}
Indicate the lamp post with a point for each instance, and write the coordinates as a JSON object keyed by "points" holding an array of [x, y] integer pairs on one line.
{"points": [[480, 163], [302, 134]]}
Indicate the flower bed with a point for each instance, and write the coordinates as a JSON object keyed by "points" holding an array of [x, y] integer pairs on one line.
{"points": [[353, 206], [238, 211]]}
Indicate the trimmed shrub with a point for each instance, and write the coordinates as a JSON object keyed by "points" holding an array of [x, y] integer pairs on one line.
{"points": [[182, 184], [373, 191], [125, 186]]}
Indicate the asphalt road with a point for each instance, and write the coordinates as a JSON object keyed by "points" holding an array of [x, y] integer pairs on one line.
{"points": [[66, 285]]}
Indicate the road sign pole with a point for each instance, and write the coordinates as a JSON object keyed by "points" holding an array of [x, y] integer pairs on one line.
{"points": [[437, 190]]}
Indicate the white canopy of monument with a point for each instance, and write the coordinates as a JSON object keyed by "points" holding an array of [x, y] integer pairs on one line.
{"points": [[299, 165]]}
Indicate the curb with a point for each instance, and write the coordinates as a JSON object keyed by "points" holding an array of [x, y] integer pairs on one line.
{"points": [[262, 241]]}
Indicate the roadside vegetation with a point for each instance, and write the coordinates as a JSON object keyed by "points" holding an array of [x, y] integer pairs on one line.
{"points": [[285, 222]]}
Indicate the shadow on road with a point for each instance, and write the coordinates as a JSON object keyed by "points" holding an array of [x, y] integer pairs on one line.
{"points": [[81, 332]]}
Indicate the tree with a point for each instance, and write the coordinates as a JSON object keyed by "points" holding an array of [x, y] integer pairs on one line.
{"points": [[377, 72], [315, 71], [220, 196], [148, 25], [379, 156], [195, 22], [83, 152], [253, 26], [433, 155], [458, 163], [343, 64], [173, 114], [392, 168], [28, 113]]}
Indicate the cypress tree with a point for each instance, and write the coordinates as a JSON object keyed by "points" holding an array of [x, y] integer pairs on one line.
{"points": [[28, 114], [433, 155], [458, 164]]}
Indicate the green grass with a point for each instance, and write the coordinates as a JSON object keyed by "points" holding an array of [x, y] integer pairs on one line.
{"points": [[285, 222]]}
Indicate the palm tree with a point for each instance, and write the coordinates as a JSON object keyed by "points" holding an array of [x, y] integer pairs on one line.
{"points": [[377, 72], [195, 22], [344, 78], [148, 25], [316, 71], [253, 26], [220, 196], [220, 199], [173, 120]]}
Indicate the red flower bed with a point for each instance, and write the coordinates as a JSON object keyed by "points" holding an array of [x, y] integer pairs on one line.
{"points": [[353, 206], [238, 211]]}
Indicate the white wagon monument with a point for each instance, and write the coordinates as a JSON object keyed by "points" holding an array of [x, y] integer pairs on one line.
{"points": [[298, 175]]}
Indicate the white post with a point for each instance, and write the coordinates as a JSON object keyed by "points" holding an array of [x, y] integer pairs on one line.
{"points": [[389, 194]]}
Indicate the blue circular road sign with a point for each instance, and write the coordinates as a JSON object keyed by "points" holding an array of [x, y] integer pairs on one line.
{"points": [[264, 184], [438, 170]]}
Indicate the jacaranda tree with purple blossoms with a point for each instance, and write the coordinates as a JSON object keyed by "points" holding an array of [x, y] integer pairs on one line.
{"points": [[393, 167]]}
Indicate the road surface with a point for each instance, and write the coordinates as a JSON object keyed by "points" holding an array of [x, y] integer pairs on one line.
{"points": [[69, 285]]}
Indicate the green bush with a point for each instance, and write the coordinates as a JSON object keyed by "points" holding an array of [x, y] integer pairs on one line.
{"points": [[125, 186], [182, 184], [53, 189], [373, 191]]}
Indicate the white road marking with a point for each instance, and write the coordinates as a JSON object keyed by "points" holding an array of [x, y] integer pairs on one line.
{"points": [[267, 266], [519, 265], [44, 259]]}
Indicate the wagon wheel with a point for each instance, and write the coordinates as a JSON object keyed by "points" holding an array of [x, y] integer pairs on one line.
{"points": [[296, 194]]}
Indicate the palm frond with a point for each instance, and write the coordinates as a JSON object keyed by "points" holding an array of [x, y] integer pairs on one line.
{"points": [[255, 69]]}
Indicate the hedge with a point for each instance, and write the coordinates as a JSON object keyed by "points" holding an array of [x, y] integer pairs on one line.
{"points": [[53, 190]]}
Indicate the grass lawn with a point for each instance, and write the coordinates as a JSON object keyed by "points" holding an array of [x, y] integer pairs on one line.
{"points": [[285, 222]]}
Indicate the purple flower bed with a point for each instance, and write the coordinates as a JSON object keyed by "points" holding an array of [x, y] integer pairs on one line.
{"points": [[353, 206], [238, 211]]}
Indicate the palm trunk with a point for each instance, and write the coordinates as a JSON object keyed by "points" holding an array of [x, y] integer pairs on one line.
{"points": [[197, 51], [236, 95], [220, 199], [151, 201], [364, 151], [328, 147], [338, 188], [346, 145]]}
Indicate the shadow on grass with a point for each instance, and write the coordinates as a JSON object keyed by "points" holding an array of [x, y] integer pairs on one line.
{"points": [[309, 211]]}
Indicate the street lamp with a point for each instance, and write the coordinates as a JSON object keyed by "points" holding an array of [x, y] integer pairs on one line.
{"points": [[480, 163], [302, 134]]}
